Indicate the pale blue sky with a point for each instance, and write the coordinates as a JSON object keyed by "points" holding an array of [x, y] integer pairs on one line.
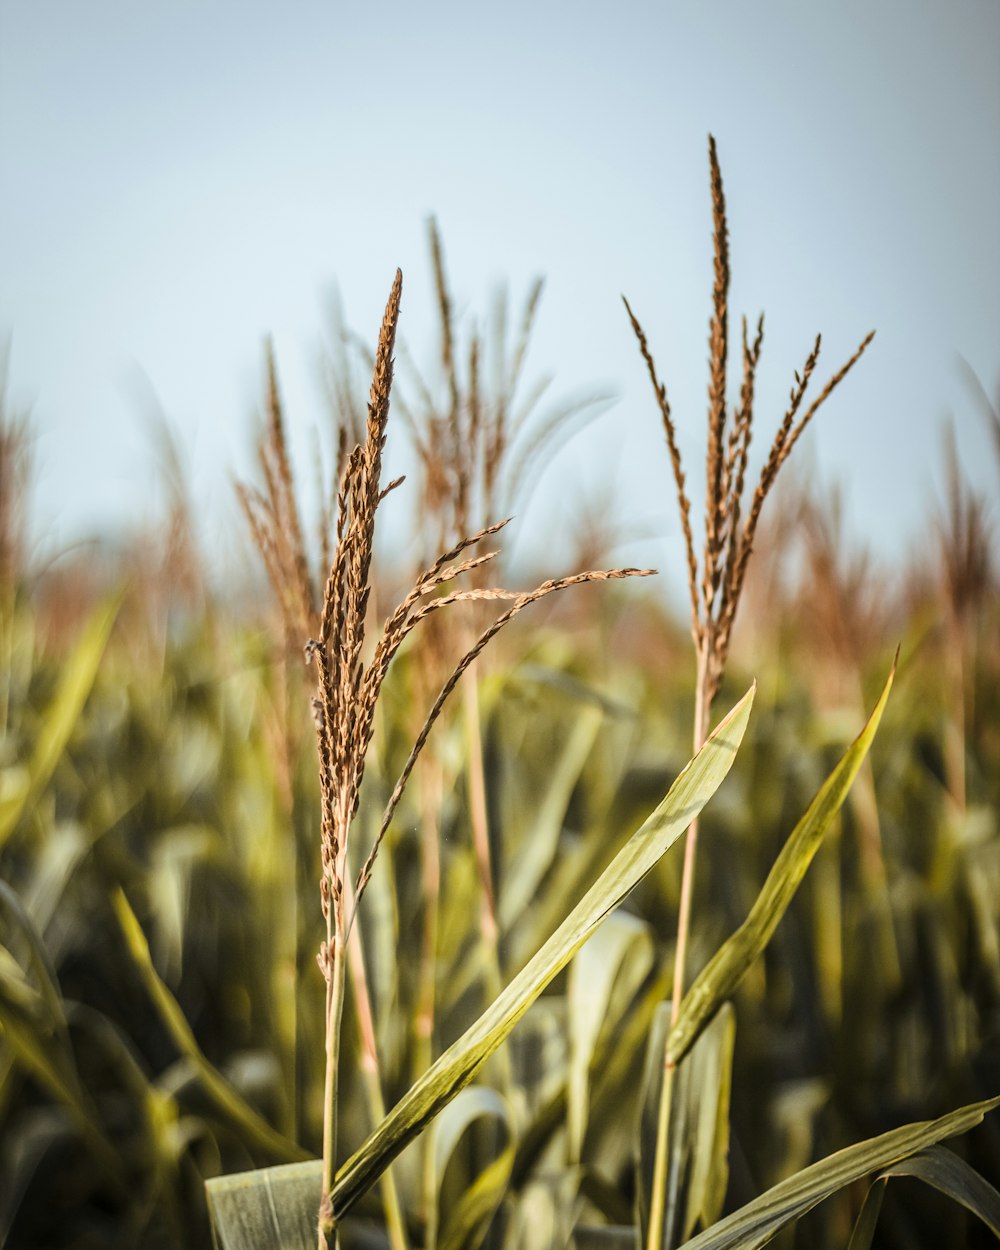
{"points": [[179, 179]]}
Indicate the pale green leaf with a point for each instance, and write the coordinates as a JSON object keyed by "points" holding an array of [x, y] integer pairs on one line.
{"points": [[537, 849], [615, 961], [270, 1209]]}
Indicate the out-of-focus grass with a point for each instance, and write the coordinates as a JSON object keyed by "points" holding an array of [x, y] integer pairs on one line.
{"points": [[171, 789]]}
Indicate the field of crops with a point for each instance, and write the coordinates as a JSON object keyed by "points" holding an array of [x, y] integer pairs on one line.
{"points": [[569, 1010]]}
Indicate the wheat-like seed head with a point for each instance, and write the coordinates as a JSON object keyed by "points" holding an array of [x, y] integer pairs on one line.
{"points": [[349, 675], [730, 519], [14, 475]]}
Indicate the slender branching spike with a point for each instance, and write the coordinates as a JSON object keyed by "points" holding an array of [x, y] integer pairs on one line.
{"points": [[531, 306], [393, 485], [281, 487], [447, 333], [715, 509], [521, 601], [831, 385], [670, 431]]}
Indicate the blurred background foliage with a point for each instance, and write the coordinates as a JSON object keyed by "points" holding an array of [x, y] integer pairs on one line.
{"points": [[160, 1007]]}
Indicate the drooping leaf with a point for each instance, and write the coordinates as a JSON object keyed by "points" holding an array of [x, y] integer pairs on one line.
{"points": [[944, 1170], [462, 1226], [864, 1226], [756, 1223]]}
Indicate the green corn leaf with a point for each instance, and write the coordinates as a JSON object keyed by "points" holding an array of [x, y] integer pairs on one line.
{"points": [[944, 1170], [76, 681], [719, 979], [533, 857], [270, 1209], [698, 1150], [33, 1023], [864, 1226], [756, 1223], [235, 1108], [456, 1067], [462, 1226], [615, 961]]}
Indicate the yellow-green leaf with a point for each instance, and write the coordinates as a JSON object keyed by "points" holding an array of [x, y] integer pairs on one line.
{"points": [[718, 980], [75, 683], [457, 1066]]}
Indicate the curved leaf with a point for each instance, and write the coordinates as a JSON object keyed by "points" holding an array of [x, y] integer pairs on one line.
{"points": [[467, 1220], [456, 1067], [757, 1222], [944, 1170], [615, 960]]}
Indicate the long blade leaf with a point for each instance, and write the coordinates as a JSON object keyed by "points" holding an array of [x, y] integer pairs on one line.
{"points": [[456, 1067], [757, 1222], [237, 1110], [944, 1170], [718, 980], [75, 683]]}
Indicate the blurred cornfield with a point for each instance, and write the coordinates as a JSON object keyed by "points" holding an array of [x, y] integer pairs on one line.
{"points": [[161, 1012]]}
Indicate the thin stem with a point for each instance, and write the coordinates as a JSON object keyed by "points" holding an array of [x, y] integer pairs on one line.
{"points": [[328, 1239], [286, 969], [488, 923], [371, 1071], [702, 716], [478, 815], [954, 745], [654, 1239], [431, 794]]}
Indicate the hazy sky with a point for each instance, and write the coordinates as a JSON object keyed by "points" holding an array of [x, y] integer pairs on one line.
{"points": [[179, 179]]}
